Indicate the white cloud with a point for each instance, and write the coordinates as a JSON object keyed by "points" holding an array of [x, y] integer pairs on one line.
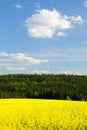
{"points": [[39, 24], [80, 73], [21, 56], [78, 19], [67, 72], [40, 72], [16, 60], [85, 3], [16, 68], [3, 53], [21, 61], [18, 6], [60, 55], [61, 34]]}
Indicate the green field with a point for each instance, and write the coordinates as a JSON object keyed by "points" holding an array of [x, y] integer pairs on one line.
{"points": [[34, 114]]}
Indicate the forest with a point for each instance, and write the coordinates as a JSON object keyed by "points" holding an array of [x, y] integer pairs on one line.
{"points": [[44, 86]]}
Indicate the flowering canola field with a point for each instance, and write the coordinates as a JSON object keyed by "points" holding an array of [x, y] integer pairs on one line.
{"points": [[36, 114]]}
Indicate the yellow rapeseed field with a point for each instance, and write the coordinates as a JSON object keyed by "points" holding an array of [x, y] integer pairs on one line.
{"points": [[36, 114]]}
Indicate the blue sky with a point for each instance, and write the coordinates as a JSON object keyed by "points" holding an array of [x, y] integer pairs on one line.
{"points": [[43, 36]]}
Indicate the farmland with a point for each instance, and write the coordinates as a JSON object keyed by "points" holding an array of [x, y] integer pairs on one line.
{"points": [[39, 114]]}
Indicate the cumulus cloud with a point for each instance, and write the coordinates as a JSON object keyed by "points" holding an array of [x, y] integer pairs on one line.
{"points": [[39, 24], [18, 6], [85, 3], [78, 19], [60, 34]]}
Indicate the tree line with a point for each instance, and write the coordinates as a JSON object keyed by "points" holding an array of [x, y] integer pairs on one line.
{"points": [[45, 86]]}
